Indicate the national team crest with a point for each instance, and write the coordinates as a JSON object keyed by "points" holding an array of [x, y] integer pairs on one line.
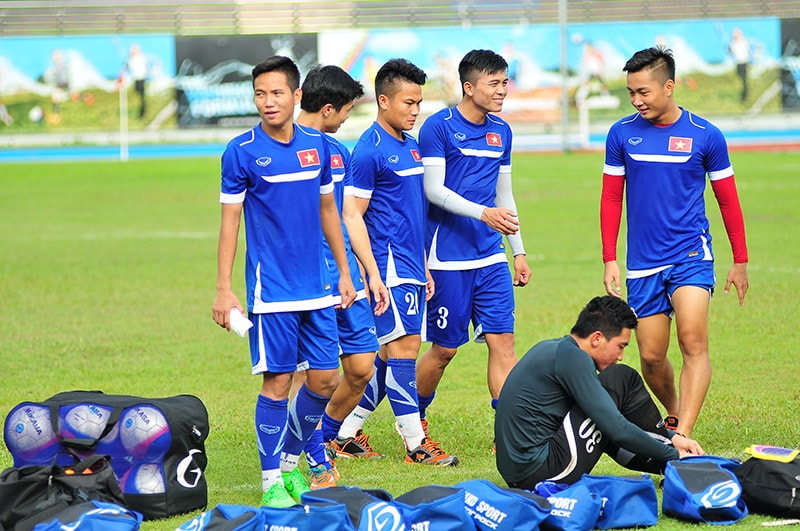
{"points": [[308, 157], [493, 139], [415, 154], [680, 143], [336, 162]]}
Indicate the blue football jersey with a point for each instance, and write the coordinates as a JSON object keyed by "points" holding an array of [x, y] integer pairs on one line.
{"points": [[472, 155], [340, 173], [389, 173], [665, 170], [280, 186]]}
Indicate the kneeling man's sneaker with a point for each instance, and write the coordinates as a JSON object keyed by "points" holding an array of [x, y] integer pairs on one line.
{"points": [[430, 453]]}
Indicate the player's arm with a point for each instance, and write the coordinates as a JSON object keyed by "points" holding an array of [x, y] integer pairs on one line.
{"points": [[500, 219], [731, 210], [332, 229], [505, 199], [226, 253], [353, 211], [610, 220]]}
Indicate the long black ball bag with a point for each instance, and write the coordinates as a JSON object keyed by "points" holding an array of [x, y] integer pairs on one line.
{"points": [[183, 462]]}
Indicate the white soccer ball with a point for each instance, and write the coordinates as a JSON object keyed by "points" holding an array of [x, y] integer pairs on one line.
{"points": [[144, 432], [143, 479], [29, 434], [83, 421]]}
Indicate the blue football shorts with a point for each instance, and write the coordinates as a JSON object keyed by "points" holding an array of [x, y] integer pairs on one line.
{"points": [[280, 341], [652, 294], [356, 325], [483, 296], [404, 315]]}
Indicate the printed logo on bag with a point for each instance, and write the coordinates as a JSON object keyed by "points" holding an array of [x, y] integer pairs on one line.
{"points": [[724, 494], [278, 527], [421, 526], [484, 512], [183, 468], [561, 506], [384, 517]]}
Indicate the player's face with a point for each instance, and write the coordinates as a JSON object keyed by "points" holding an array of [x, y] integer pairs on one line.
{"points": [[275, 100], [400, 110], [335, 119], [488, 92], [609, 350], [651, 96]]}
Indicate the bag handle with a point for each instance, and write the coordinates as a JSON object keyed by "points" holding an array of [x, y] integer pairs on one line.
{"points": [[82, 442]]}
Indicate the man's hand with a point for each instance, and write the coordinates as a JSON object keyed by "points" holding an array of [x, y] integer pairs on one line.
{"points": [[430, 287], [611, 279], [347, 291], [522, 271], [686, 447], [221, 309], [738, 277], [502, 220], [380, 295]]}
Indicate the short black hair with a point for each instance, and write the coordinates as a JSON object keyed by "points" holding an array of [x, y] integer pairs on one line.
{"points": [[658, 59], [606, 314], [279, 63], [395, 71], [479, 62], [329, 84]]}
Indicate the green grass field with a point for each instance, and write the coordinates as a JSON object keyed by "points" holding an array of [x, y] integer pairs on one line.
{"points": [[107, 276]]}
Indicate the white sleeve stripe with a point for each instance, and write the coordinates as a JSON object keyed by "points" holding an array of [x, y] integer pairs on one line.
{"points": [[433, 161], [326, 189], [613, 170], [358, 192], [232, 199], [505, 168], [720, 174]]}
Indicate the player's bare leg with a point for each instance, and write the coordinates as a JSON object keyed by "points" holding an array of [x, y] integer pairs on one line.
{"points": [[502, 359], [357, 371], [652, 336], [431, 366], [691, 322]]}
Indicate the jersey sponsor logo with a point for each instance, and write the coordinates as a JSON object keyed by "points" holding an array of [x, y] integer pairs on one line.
{"points": [[460, 136], [308, 157], [635, 140], [493, 139], [336, 162], [680, 143], [415, 154], [264, 161], [394, 159]]}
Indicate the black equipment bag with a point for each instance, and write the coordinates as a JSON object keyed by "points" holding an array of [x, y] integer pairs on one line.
{"points": [[771, 487], [34, 494], [156, 445]]}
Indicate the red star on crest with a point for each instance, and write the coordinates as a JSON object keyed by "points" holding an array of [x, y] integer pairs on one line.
{"points": [[493, 139], [336, 161], [415, 154], [680, 143]]}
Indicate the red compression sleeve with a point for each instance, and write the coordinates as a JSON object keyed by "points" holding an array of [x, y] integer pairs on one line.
{"points": [[732, 218], [611, 214]]}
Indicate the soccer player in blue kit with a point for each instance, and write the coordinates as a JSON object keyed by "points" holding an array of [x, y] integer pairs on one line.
{"points": [[385, 215], [328, 97], [279, 175], [466, 151], [663, 153]]}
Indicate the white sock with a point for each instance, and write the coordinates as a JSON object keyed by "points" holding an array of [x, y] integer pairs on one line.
{"points": [[354, 422], [289, 462], [269, 478], [411, 429]]}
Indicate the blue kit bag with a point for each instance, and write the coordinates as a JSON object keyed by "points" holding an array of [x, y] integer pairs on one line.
{"points": [[703, 489], [93, 516], [572, 507], [226, 518], [314, 516], [435, 507], [627, 501], [367, 509], [494, 508]]}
